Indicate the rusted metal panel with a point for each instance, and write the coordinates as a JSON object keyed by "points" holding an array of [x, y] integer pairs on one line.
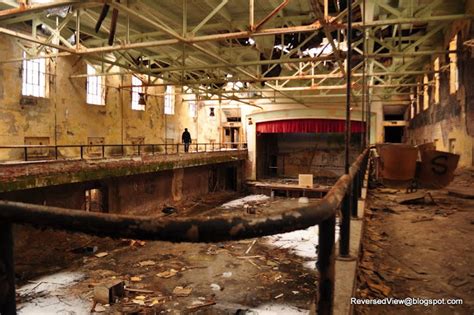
{"points": [[437, 168], [397, 161], [426, 146]]}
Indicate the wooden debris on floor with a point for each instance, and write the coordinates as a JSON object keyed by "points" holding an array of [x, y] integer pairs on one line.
{"points": [[101, 254], [200, 304], [182, 291], [462, 192], [108, 293], [415, 198], [167, 274]]}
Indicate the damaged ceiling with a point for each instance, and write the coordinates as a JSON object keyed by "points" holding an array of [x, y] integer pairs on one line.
{"points": [[291, 50]]}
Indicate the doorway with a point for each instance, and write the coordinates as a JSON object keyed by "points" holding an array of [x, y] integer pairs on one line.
{"points": [[96, 199], [394, 134], [232, 135]]}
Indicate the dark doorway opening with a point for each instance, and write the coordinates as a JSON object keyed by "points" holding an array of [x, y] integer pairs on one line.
{"points": [[394, 134], [96, 199], [231, 179]]}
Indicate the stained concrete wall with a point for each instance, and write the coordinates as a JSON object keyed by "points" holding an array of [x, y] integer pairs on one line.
{"points": [[143, 194], [318, 154], [65, 117], [449, 123]]}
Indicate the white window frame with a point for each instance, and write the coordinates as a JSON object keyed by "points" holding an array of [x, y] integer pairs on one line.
{"points": [[436, 66], [426, 95], [453, 66], [95, 87], [34, 77], [192, 108], [137, 88], [169, 100]]}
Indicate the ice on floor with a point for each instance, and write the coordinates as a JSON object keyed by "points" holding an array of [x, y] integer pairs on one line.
{"points": [[276, 309], [301, 243], [245, 200], [48, 295]]}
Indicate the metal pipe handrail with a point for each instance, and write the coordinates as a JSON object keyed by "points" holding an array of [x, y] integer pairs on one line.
{"points": [[154, 149], [20, 146], [192, 229]]}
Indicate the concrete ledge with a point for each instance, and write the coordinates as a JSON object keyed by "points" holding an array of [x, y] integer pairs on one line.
{"points": [[34, 175]]}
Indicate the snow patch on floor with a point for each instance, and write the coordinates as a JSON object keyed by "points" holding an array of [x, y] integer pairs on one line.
{"points": [[276, 309], [245, 200], [48, 295], [301, 243]]}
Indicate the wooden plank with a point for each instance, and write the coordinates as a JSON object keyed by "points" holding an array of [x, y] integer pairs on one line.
{"points": [[463, 192]]}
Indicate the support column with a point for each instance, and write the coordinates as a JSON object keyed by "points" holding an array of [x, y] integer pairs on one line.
{"points": [[327, 231], [177, 184], [345, 227], [7, 272], [348, 87], [355, 196]]}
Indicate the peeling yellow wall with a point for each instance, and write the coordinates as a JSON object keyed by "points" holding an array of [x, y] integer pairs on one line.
{"points": [[65, 117], [447, 122]]}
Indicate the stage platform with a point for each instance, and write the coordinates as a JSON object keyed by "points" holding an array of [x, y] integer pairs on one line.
{"points": [[286, 188]]}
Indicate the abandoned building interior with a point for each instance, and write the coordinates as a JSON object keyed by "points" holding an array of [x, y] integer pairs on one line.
{"points": [[237, 157]]}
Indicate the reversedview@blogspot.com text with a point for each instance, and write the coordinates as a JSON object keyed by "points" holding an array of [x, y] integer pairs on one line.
{"points": [[408, 301]]}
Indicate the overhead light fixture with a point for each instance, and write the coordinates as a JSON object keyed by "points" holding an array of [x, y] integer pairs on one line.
{"points": [[211, 112]]}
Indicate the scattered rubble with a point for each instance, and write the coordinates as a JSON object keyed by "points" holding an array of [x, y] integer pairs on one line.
{"points": [[414, 246]]}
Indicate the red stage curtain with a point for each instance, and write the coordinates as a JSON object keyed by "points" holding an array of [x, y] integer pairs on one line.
{"points": [[308, 126]]}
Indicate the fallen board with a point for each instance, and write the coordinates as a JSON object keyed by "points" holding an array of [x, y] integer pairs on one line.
{"points": [[411, 198], [463, 192]]}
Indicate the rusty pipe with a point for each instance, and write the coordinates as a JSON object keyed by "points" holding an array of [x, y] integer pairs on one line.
{"points": [[102, 16], [272, 14], [191, 229], [113, 26]]}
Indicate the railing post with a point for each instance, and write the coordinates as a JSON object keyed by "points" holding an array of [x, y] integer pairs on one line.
{"points": [[56, 151], [355, 196], [26, 153], [166, 148], [139, 150], [152, 149], [82, 152], [205, 147], [7, 272], [326, 266], [177, 148], [212, 146], [103, 151], [345, 237]]}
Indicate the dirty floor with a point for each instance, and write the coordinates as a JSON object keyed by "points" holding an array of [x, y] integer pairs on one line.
{"points": [[274, 275], [422, 250]]}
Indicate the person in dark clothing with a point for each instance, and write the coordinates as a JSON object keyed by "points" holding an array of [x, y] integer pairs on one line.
{"points": [[186, 138]]}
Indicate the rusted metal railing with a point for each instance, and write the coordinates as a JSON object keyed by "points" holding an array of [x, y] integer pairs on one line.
{"points": [[193, 229], [95, 151]]}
